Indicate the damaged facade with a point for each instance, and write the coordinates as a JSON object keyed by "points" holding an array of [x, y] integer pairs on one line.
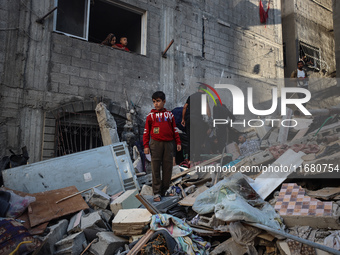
{"points": [[276, 192], [51, 81], [308, 32]]}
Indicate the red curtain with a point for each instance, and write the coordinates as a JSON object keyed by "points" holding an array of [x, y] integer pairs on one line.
{"points": [[263, 13]]}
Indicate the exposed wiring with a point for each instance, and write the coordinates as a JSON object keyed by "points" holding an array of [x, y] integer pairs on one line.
{"points": [[16, 249], [331, 117], [323, 6]]}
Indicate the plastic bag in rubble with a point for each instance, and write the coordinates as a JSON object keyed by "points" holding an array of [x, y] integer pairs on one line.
{"points": [[233, 199], [18, 204], [333, 240]]}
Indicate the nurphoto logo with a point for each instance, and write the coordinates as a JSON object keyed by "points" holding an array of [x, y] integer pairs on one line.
{"points": [[238, 105]]}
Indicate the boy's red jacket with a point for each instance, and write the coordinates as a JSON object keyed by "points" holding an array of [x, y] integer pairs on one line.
{"points": [[161, 126]]}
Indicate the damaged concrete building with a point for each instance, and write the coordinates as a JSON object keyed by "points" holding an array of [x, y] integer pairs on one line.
{"points": [[54, 70], [308, 33]]}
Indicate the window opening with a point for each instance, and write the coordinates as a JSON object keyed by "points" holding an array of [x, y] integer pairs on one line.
{"points": [[77, 132], [72, 18], [93, 20], [310, 55]]}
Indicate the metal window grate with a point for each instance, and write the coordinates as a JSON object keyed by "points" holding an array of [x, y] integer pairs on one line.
{"points": [[312, 57], [77, 132]]}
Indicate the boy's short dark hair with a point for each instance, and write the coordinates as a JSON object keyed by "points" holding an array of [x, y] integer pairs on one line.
{"points": [[158, 94], [300, 62]]}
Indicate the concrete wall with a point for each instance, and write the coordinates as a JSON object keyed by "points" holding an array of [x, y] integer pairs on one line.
{"points": [[289, 35], [336, 20], [42, 71], [309, 21]]}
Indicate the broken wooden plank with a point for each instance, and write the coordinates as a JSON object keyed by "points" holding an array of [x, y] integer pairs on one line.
{"points": [[150, 207], [65, 198], [45, 209], [190, 199]]}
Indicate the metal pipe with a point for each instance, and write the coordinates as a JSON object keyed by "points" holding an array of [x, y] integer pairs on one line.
{"points": [[41, 20], [296, 238], [167, 48]]}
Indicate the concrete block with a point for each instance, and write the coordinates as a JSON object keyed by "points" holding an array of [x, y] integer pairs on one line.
{"points": [[68, 89], [106, 215], [145, 180], [146, 190], [210, 222], [98, 199], [91, 224], [80, 62], [60, 58], [56, 233], [126, 201], [74, 225], [59, 77], [107, 243], [99, 67], [71, 245], [71, 70], [130, 221]]}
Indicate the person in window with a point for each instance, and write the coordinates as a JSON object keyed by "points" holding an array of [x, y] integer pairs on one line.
{"points": [[123, 43], [110, 40], [307, 61], [300, 76]]}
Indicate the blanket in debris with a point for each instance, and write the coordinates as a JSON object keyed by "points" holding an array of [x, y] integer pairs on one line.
{"points": [[181, 231], [233, 199]]}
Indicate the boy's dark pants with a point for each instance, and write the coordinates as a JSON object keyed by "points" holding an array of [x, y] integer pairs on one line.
{"points": [[161, 154]]}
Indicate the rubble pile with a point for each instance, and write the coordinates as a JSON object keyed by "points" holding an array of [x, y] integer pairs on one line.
{"points": [[278, 200]]}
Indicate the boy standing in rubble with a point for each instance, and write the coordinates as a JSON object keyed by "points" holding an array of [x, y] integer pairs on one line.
{"points": [[161, 126]]}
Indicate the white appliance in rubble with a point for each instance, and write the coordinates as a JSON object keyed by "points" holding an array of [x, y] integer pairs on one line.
{"points": [[109, 165]]}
